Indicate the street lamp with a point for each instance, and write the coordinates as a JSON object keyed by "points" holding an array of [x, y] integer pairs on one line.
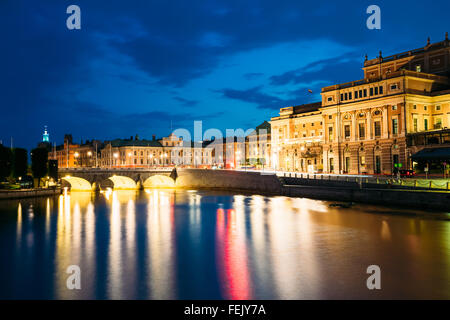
{"points": [[76, 155], [150, 157], [129, 156], [116, 155], [89, 154]]}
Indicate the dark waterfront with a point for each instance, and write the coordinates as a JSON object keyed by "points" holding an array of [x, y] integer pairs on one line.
{"points": [[167, 244]]}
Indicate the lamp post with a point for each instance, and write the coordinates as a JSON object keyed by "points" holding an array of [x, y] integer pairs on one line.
{"points": [[236, 160], [116, 155], [110, 156], [76, 155], [89, 154]]}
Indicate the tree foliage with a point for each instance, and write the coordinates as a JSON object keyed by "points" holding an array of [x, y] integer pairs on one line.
{"points": [[6, 160], [53, 169], [20, 163], [39, 163]]}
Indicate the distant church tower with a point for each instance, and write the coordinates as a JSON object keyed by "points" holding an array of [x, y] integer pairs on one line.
{"points": [[45, 136]]}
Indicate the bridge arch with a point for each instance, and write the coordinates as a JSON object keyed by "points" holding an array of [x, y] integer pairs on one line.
{"points": [[159, 181], [78, 184], [123, 183]]}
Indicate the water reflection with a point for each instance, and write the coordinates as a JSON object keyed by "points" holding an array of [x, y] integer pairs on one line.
{"points": [[167, 244], [160, 242], [231, 253]]}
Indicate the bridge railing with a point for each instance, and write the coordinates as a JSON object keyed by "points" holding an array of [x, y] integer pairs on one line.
{"points": [[113, 169]]}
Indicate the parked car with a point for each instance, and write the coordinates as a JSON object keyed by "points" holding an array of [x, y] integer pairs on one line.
{"points": [[407, 173]]}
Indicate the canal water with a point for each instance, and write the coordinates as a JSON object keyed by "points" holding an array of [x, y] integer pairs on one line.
{"points": [[173, 244]]}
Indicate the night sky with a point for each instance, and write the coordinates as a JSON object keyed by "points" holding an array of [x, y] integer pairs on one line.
{"points": [[138, 67]]}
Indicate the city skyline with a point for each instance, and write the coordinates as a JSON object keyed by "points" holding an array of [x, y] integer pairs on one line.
{"points": [[144, 69]]}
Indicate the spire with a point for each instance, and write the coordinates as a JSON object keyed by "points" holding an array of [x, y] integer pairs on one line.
{"points": [[428, 41], [45, 136], [366, 57]]}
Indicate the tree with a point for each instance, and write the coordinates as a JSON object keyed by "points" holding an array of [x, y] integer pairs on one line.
{"points": [[39, 161], [20, 163], [53, 169], [5, 162]]}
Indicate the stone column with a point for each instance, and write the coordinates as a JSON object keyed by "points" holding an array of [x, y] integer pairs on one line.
{"points": [[369, 125], [385, 122], [402, 119]]}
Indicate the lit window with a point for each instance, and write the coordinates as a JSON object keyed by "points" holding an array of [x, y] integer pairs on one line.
{"points": [[395, 126], [362, 160], [438, 124]]}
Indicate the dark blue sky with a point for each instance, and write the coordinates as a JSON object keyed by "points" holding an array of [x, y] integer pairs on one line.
{"points": [[135, 67]]}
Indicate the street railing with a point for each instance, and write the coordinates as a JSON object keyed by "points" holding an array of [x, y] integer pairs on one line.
{"points": [[441, 184]]}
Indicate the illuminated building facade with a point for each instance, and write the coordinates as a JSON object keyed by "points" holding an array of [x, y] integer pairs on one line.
{"points": [[169, 151], [373, 125], [258, 146]]}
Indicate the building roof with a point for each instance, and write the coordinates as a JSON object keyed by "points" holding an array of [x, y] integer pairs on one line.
{"points": [[265, 127], [310, 107], [429, 47], [134, 143]]}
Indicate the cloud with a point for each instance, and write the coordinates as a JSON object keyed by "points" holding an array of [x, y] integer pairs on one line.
{"points": [[263, 100], [253, 75], [326, 71], [186, 102]]}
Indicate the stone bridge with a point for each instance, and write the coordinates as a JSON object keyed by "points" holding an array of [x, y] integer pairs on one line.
{"points": [[87, 179]]}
